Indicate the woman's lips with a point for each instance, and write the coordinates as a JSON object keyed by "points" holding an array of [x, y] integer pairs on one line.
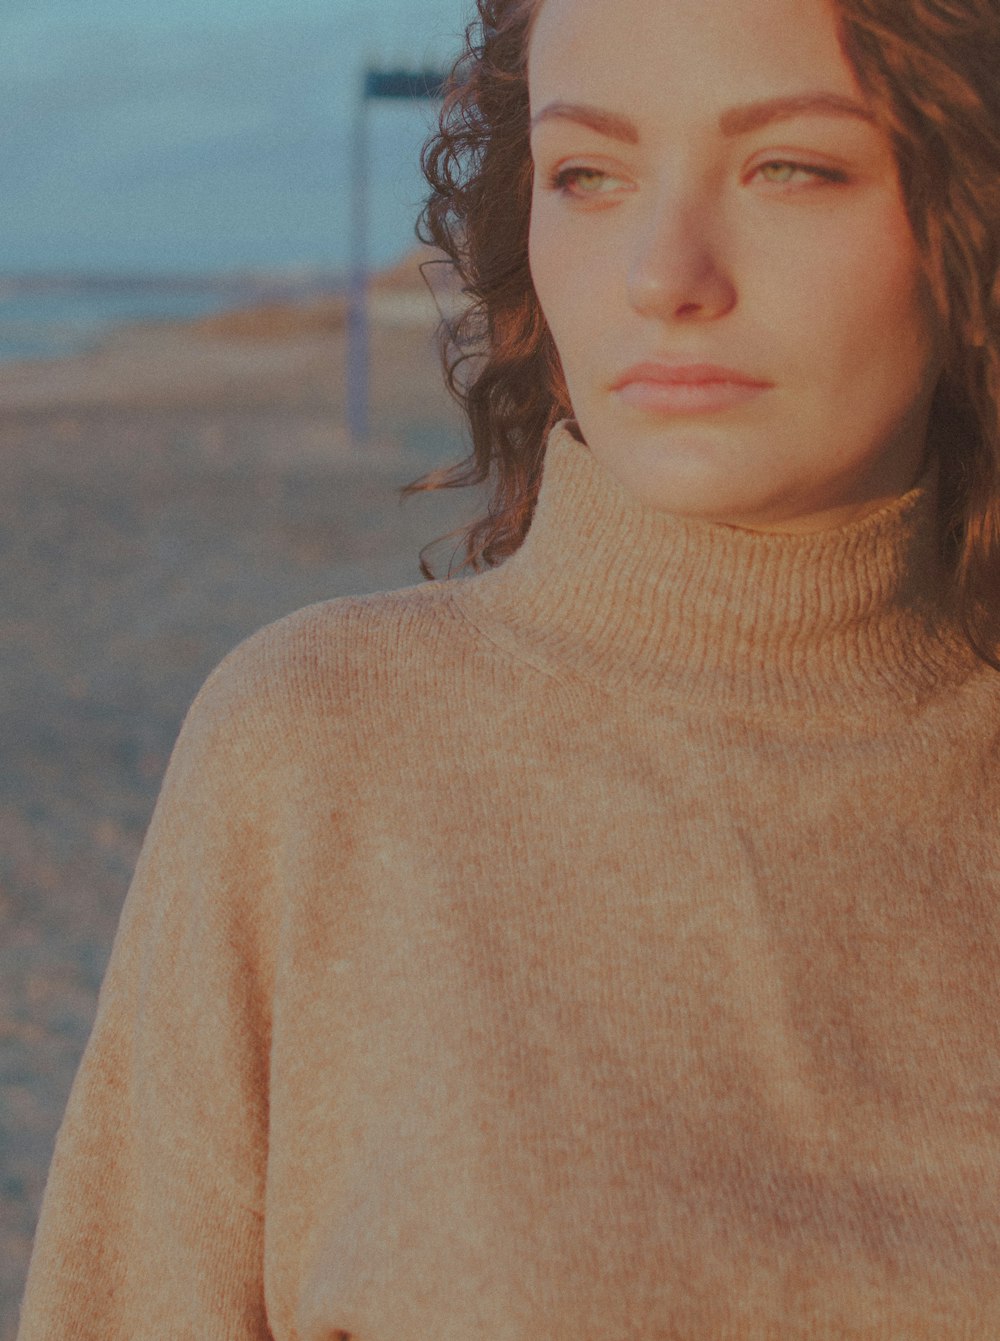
{"points": [[685, 389]]}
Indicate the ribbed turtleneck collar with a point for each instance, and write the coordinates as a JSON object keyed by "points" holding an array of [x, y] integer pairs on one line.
{"points": [[848, 621]]}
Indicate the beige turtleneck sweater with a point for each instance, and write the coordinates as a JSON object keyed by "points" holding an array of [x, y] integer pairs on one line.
{"points": [[602, 948]]}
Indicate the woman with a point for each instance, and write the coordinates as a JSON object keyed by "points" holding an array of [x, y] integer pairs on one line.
{"points": [[605, 944]]}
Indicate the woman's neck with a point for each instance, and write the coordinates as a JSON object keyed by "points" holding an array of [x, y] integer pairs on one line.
{"points": [[848, 621]]}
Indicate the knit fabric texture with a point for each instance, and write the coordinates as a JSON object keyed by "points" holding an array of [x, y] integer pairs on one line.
{"points": [[604, 947]]}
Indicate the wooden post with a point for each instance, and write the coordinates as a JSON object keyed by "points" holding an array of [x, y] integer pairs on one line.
{"points": [[358, 353], [375, 84]]}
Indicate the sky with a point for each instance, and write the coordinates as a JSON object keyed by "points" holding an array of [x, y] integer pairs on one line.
{"points": [[205, 135]]}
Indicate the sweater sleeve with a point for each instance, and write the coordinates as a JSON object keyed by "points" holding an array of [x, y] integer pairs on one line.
{"points": [[152, 1220]]}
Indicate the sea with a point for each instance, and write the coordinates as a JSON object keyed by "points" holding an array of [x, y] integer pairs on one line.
{"points": [[164, 163], [52, 316]]}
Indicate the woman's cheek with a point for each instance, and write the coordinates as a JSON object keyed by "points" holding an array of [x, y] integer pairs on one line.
{"points": [[558, 285]]}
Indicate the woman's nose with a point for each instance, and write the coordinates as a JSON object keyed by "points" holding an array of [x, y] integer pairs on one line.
{"points": [[679, 271]]}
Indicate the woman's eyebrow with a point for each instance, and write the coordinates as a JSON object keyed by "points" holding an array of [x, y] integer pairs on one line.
{"points": [[605, 123], [753, 115], [734, 121]]}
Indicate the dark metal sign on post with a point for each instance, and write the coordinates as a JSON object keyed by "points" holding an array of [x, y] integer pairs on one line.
{"points": [[376, 84]]}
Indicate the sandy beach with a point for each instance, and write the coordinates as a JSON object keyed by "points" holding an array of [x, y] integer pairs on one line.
{"points": [[165, 495]]}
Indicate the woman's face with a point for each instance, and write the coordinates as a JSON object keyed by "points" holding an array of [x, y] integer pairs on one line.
{"points": [[674, 223]]}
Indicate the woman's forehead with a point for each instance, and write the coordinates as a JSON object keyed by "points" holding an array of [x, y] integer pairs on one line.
{"points": [[647, 55]]}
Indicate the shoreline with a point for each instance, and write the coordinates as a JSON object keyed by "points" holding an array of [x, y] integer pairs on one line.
{"points": [[276, 352], [283, 352]]}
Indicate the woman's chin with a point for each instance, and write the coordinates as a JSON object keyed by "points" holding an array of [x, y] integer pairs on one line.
{"points": [[696, 474]]}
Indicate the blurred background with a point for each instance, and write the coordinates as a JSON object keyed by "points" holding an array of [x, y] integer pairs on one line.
{"points": [[146, 148], [180, 456]]}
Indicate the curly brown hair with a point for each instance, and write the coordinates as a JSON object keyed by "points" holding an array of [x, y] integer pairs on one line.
{"points": [[930, 70]]}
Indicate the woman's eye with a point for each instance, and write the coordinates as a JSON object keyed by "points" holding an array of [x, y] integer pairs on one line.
{"points": [[786, 171], [583, 183]]}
